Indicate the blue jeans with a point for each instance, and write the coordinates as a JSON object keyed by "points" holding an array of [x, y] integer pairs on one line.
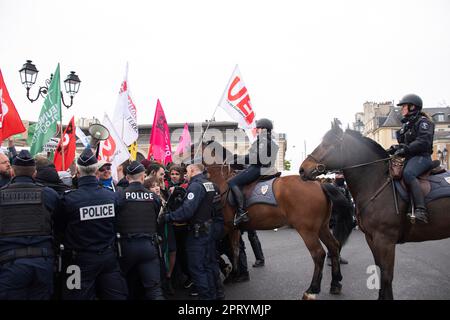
{"points": [[415, 167]]}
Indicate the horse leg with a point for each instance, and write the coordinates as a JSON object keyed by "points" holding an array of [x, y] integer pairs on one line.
{"points": [[333, 250], [234, 236], [312, 242], [383, 251]]}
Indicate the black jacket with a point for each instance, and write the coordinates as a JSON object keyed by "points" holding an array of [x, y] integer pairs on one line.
{"points": [[417, 134]]}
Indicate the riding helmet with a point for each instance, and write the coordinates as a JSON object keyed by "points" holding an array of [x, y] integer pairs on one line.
{"points": [[412, 99], [264, 124]]}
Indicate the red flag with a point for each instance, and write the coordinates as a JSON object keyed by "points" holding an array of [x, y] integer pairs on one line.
{"points": [[160, 147], [10, 122], [69, 148]]}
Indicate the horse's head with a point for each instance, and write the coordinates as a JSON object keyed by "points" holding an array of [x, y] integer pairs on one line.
{"points": [[327, 156]]}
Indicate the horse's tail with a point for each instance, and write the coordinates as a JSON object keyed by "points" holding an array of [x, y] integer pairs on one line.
{"points": [[341, 214]]}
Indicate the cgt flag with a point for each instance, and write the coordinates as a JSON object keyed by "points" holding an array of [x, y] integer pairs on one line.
{"points": [[113, 149], [160, 149], [236, 102], [50, 115], [10, 122], [69, 143]]}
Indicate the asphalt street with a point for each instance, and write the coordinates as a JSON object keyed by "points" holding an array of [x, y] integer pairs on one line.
{"points": [[422, 270]]}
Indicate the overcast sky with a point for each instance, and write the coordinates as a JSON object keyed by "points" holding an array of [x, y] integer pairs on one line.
{"points": [[303, 62]]}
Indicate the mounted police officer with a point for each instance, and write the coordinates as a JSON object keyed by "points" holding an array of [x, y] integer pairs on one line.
{"points": [[261, 157], [416, 145], [137, 227], [88, 223], [197, 210], [26, 244]]}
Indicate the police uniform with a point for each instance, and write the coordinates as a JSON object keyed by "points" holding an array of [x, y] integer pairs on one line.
{"points": [[416, 145], [261, 157], [196, 209], [137, 226], [88, 222], [26, 248]]}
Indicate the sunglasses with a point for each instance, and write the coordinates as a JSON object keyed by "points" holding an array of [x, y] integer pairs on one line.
{"points": [[104, 168]]}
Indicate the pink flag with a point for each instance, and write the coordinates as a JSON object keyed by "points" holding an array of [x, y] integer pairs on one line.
{"points": [[185, 141], [160, 149]]}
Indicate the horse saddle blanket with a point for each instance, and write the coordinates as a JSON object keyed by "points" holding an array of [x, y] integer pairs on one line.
{"points": [[259, 192], [433, 187]]}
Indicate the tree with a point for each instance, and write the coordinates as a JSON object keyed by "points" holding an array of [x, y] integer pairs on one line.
{"points": [[287, 165]]}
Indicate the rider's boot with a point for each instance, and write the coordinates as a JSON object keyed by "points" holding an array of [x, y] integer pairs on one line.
{"points": [[420, 211], [241, 214]]}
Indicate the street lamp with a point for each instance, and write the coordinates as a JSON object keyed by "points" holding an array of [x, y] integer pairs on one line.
{"points": [[359, 126], [28, 75], [440, 156], [444, 155]]}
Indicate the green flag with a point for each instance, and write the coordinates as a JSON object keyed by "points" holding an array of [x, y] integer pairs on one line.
{"points": [[50, 115], [31, 129]]}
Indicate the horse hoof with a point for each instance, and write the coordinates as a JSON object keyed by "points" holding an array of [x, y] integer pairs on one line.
{"points": [[336, 289], [309, 296]]}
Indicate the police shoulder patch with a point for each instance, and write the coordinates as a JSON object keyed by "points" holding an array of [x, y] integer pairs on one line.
{"points": [[424, 125], [190, 196], [208, 186]]}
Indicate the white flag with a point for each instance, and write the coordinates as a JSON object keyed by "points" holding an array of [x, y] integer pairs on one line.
{"points": [[113, 149], [125, 118], [236, 102], [83, 138]]}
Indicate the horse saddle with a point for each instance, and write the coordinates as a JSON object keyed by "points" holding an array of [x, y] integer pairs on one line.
{"points": [[259, 191], [435, 184]]}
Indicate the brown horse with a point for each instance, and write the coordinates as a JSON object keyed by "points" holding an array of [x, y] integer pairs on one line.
{"points": [[304, 205], [365, 167]]}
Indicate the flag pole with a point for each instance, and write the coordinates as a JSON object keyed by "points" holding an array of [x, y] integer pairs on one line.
{"points": [[212, 117], [62, 143]]}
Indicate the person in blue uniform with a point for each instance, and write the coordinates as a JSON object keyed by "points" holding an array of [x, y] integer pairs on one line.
{"points": [[26, 242], [137, 226], [415, 140], [197, 210], [87, 220]]}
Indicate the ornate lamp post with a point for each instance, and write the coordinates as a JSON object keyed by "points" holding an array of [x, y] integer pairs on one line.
{"points": [[28, 75], [444, 155]]}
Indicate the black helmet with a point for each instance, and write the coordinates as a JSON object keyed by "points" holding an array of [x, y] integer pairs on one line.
{"points": [[411, 99], [264, 124]]}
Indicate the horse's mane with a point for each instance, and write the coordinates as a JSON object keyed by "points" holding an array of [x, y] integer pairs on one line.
{"points": [[227, 154], [373, 145]]}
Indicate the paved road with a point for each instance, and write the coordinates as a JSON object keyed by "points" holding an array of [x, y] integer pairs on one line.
{"points": [[422, 270]]}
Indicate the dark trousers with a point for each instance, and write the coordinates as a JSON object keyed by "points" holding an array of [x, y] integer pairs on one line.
{"points": [[250, 174], [181, 264], [100, 277], [200, 268], [256, 244], [141, 266], [415, 167], [27, 279]]}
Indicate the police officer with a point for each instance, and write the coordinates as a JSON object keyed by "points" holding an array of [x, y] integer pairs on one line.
{"points": [[26, 253], [88, 222], [137, 226], [197, 209], [416, 145], [261, 157]]}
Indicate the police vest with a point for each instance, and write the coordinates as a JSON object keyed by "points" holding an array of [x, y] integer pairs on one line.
{"points": [[22, 211], [138, 215], [205, 209]]}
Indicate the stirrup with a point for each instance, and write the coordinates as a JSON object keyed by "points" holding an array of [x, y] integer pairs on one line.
{"points": [[240, 217]]}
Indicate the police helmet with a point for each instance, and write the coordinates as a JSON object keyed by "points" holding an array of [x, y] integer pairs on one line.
{"points": [[264, 124], [412, 99]]}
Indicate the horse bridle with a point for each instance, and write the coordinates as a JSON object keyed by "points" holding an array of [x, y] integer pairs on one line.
{"points": [[322, 168]]}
